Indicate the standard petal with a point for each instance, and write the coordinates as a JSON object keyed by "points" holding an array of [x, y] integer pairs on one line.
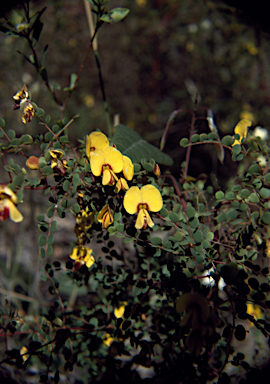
{"points": [[98, 140], [132, 199], [152, 197], [128, 168], [7, 191], [14, 214], [97, 160], [114, 158]]}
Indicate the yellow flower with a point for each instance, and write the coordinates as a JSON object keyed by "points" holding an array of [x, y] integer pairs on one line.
{"points": [[107, 162], [24, 353], [156, 170], [94, 141], [255, 311], [105, 216], [28, 112], [121, 184], [107, 339], [8, 202], [242, 129], [128, 168], [119, 312], [148, 198], [83, 255], [32, 162], [56, 162], [21, 97]]}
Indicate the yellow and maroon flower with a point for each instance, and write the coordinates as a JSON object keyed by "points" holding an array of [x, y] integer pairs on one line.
{"points": [[148, 198], [82, 255], [28, 112], [107, 162], [8, 202], [105, 216], [96, 140], [57, 163], [20, 97]]}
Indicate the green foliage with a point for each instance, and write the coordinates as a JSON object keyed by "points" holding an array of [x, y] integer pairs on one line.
{"points": [[128, 286]]}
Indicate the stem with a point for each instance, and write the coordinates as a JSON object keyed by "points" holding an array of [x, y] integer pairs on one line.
{"points": [[105, 104]]}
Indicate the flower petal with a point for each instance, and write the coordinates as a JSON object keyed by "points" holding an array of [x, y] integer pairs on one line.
{"points": [[7, 191], [148, 218], [114, 158], [89, 259], [152, 197], [242, 129], [140, 222], [96, 140], [14, 214], [128, 168], [132, 199], [97, 160]]}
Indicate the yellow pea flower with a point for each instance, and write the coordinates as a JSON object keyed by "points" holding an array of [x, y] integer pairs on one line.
{"points": [[107, 339], [107, 162], [96, 140], [32, 162], [242, 129], [105, 216], [148, 198], [255, 311], [121, 184], [21, 97], [8, 202], [83, 255], [128, 168], [119, 312], [28, 112], [57, 162]]}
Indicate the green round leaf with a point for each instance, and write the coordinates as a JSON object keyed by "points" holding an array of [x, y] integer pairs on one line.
{"points": [[48, 136], [173, 217], [66, 185], [164, 212], [156, 240], [212, 136], [15, 142], [11, 134], [190, 211], [266, 218], [137, 167], [244, 193], [42, 240], [76, 208], [229, 195], [219, 195], [227, 140], [203, 137], [195, 138], [27, 139], [264, 192], [232, 214], [253, 198], [184, 142]]}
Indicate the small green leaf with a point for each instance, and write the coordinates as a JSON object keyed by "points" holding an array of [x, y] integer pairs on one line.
{"points": [[190, 211], [244, 193], [156, 240], [264, 192], [253, 198], [76, 208], [27, 139], [2, 122], [174, 217], [42, 240], [11, 134], [219, 195], [53, 226], [195, 138], [66, 185], [266, 218], [198, 236], [15, 142], [48, 136], [228, 140], [184, 142], [18, 180]]}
